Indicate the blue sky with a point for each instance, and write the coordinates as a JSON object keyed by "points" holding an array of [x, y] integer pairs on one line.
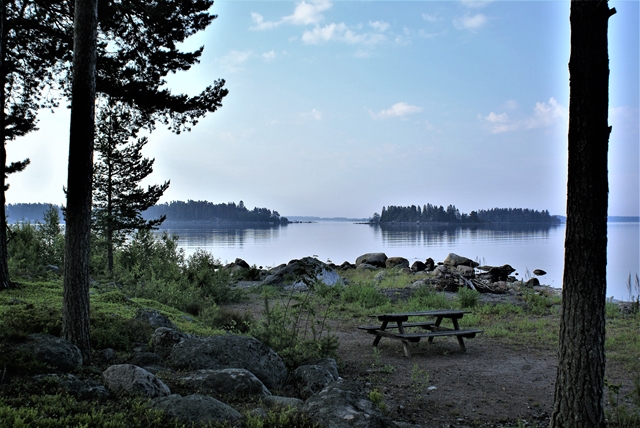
{"points": [[336, 108]]}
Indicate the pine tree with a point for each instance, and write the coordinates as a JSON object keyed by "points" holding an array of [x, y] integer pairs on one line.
{"points": [[118, 198]]}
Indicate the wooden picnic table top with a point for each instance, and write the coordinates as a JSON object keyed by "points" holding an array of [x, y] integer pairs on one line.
{"points": [[435, 313]]}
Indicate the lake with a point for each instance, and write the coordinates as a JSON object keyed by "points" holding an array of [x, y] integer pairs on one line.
{"points": [[523, 247]]}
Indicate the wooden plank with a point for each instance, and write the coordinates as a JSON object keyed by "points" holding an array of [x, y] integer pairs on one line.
{"points": [[408, 324], [392, 335], [461, 333], [438, 312]]}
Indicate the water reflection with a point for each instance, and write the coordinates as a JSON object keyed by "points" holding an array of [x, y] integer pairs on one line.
{"points": [[200, 236], [447, 234]]}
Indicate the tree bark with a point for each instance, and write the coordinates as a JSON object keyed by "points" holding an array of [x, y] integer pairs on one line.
{"points": [[579, 390], [75, 312], [5, 282]]}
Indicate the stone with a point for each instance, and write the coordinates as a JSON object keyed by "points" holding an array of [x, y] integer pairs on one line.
{"points": [[164, 339], [330, 365], [154, 318], [53, 268], [456, 260], [379, 276], [241, 263], [302, 273], [466, 271], [235, 382], [56, 352], [396, 262], [366, 266], [533, 282], [418, 266], [342, 404], [374, 259], [230, 351], [196, 409], [144, 359], [308, 380], [539, 272], [430, 264], [130, 379], [278, 401], [80, 389], [500, 273], [346, 266]]}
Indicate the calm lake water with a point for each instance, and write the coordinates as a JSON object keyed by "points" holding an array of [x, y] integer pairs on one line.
{"points": [[524, 247]]}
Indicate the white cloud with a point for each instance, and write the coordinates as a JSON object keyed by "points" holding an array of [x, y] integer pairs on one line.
{"points": [[269, 56], [400, 109], [430, 18], [261, 24], [470, 22], [379, 25], [308, 13], [544, 115], [232, 62], [313, 114], [340, 32]]}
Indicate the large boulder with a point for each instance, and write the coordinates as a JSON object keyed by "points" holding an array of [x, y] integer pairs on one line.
{"points": [[396, 262], [310, 379], [303, 273], [230, 351], [456, 260], [430, 264], [154, 318], [342, 404], [418, 266], [497, 273], [130, 379], [225, 382], [375, 259], [466, 271], [58, 353], [164, 339], [196, 409]]}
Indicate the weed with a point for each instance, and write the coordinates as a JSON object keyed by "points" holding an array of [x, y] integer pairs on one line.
{"points": [[468, 298], [365, 296], [419, 380], [377, 398], [624, 415]]}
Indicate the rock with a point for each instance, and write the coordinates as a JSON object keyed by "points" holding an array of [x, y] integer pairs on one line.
{"points": [[342, 404], [82, 390], [379, 276], [196, 409], [375, 259], [302, 273], [154, 318], [310, 379], [241, 263], [145, 359], [164, 339], [230, 351], [130, 379], [441, 271], [236, 382], [366, 266], [346, 266], [418, 266], [539, 272], [396, 262], [499, 273], [430, 264], [53, 268], [330, 365], [106, 354], [278, 401], [466, 271], [456, 260], [56, 352], [533, 282]]}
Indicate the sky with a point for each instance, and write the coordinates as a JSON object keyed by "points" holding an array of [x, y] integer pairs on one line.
{"points": [[338, 108]]}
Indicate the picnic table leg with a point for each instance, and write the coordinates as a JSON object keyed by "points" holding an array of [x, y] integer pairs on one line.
{"points": [[382, 327], [405, 344], [437, 324], [460, 339]]}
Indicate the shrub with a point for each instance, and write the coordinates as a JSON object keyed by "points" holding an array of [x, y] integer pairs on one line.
{"points": [[366, 296], [467, 297]]}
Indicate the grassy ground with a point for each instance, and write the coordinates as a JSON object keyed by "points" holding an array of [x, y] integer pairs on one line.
{"points": [[35, 307]]}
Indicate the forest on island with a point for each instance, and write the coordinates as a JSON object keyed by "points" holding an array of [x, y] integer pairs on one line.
{"points": [[208, 211], [438, 214]]}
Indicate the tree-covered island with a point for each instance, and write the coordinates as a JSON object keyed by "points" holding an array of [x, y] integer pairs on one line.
{"points": [[438, 214]]}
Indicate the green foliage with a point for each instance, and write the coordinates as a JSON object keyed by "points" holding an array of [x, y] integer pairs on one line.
{"points": [[377, 398], [296, 326], [366, 296], [467, 297], [538, 303], [20, 320], [226, 319], [119, 333], [419, 380], [282, 417], [624, 412], [424, 298]]}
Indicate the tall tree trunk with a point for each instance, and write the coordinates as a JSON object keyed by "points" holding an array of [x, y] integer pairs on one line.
{"points": [[578, 399], [75, 312], [5, 282]]}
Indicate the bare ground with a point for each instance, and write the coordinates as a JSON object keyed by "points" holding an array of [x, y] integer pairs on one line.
{"points": [[493, 384]]}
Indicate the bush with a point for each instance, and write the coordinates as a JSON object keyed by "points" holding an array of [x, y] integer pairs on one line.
{"points": [[366, 296], [467, 297]]}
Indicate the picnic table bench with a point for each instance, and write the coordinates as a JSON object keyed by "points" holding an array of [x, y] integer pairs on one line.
{"points": [[429, 329]]}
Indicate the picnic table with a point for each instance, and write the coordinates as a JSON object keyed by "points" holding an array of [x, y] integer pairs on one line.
{"points": [[428, 329]]}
